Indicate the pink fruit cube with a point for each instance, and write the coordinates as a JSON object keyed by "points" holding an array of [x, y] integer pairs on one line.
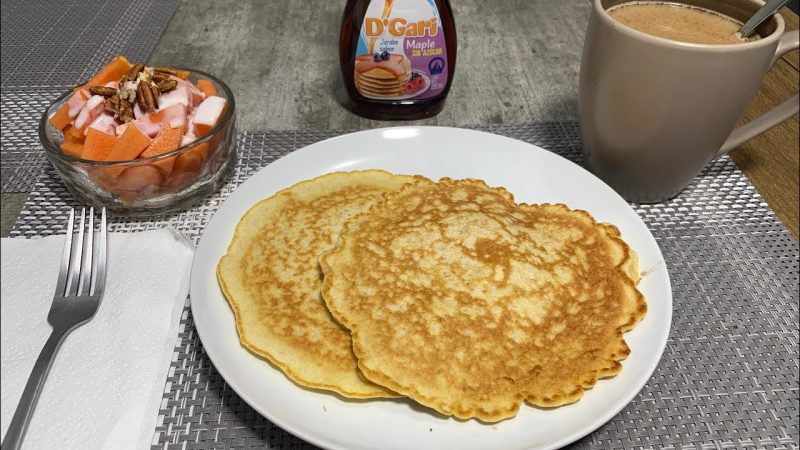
{"points": [[76, 103], [188, 139], [104, 122], [151, 123], [197, 96], [179, 95], [137, 111], [90, 111], [208, 114]]}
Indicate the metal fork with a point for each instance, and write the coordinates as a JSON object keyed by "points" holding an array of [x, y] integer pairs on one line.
{"points": [[75, 302]]}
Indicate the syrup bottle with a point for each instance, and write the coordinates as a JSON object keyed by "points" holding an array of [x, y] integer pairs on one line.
{"points": [[397, 57]]}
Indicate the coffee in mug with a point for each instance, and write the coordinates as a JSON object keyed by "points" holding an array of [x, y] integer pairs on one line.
{"points": [[679, 22], [653, 109]]}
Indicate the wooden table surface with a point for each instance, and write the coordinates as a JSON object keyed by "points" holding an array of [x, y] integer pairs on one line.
{"points": [[771, 161]]}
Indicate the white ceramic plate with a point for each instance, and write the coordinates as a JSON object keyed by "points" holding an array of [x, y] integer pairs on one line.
{"points": [[532, 175]]}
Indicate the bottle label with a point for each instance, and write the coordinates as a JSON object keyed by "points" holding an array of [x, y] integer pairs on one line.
{"points": [[401, 52]]}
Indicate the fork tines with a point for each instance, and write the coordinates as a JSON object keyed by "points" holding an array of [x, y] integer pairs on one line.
{"points": [[83, 260]]}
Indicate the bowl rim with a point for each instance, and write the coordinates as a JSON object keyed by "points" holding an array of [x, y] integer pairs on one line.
{"points": [[52, 150]]}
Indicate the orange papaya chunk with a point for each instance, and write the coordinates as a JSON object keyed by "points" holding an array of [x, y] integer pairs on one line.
{"points": [[98, 145], [76, 134], [113, 71], [61, 118], [128, 146], [70, 136], [129, 182], [104, 178], [182, 74], [73, 149], [207, 87], [165, 165], [201, 149], [166, 140], [139, 177], [190, 162], [186, 169]]}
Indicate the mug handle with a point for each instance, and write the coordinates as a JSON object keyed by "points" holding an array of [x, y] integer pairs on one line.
{"points": [[789, 41]]}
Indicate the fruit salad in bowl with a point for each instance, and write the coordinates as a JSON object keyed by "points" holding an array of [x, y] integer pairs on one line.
{"points": [[142, 140]]}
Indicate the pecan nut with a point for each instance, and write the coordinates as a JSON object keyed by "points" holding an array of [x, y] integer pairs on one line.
{"points": [[145, 98], [125, 111], [167, 70], [103, 91], [166, 86], [112, 105], [134, 71], [158, 77], [155, 91], [119, 107]]}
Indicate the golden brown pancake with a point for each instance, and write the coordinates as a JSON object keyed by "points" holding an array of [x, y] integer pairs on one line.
{"points": [[381, 93], [469, 303], [381, 83], [385, 78], [394, 88], [399, 86], [271, 279]]}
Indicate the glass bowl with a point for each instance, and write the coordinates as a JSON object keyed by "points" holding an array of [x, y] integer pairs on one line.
{"points": [[156, 185]]}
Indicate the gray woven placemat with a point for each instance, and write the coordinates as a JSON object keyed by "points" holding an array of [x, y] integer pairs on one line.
{"points": [[48, 47], [729, 374]]}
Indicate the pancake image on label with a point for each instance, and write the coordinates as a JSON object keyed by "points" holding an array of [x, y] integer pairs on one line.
{"points": [[383, 82], [271, 279], [362, 86], [378, 73], [380, 86], [383, 92], [382, 75], [470, 304]]}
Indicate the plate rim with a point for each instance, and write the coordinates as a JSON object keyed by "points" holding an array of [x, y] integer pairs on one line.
{"points": [[321, 441]]}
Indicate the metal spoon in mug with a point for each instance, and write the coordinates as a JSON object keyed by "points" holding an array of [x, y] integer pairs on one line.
{"points": [[765, 12]]}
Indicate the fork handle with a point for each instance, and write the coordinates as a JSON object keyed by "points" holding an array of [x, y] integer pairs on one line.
{"points": [[22, 416]]}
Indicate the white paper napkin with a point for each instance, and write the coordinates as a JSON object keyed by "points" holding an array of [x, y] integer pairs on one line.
{"points": [[105, 386]]}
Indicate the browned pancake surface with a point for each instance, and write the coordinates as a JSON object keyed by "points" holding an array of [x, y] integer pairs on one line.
{"points": [[470, 304], [271, 279]]}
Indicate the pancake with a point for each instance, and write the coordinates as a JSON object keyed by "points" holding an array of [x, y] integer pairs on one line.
{"points": [[374, 93], [384, 93], [378, 73], [383, 81], [374, 85], [399, 86], [271, 279], [381, 84], [469, 303], [381, 76], [396, 67], [377, 88]]}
